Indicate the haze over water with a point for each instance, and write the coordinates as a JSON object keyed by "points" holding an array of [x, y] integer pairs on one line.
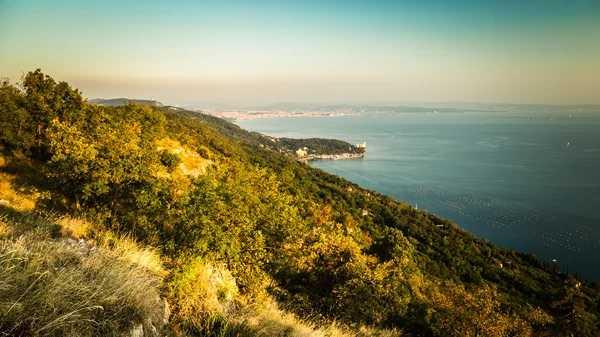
{"points": [[528, 184]]}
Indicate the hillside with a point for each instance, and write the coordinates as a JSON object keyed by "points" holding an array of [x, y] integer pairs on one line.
{"points": [[287, 146], [234, 239], [124, 101]]}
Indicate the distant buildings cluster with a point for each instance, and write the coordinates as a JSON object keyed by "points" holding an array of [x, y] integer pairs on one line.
{"points": [[302, 152]]}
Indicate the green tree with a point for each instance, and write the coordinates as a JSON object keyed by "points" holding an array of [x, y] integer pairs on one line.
{"points": [[104, 164], [170, 160], [15, 121], [46, 100]]}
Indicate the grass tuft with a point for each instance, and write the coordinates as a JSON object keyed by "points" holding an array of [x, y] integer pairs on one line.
{"points": [[55, 288]]}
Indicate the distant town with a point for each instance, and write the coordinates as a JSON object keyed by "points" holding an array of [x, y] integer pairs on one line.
{"points": [[254, 114], [301, 110], [233, 113], [314, 110]]}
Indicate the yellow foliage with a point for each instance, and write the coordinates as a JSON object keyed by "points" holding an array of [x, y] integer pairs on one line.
{"points": [[352, 285], [458, 312]]}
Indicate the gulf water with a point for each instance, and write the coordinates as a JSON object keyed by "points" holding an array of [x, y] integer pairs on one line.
{"points": [[526, 181]]}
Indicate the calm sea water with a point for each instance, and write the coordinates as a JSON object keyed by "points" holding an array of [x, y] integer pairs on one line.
{"points": [[526, 182]]}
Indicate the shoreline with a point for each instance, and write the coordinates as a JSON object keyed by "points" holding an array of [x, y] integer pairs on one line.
{"points": [[332, 157]]}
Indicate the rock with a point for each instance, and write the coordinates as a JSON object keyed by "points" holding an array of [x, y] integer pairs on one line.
{"points": [[83, 247], [161, 316], [166, 312], [150, 330]]}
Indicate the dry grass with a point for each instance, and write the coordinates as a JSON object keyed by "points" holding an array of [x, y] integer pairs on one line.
{"points": [[267, 319], [74, 227], [18, 180], [70, 287], [10, 197], [200, 289], [132, 253], [17, 223], [50, 288]]}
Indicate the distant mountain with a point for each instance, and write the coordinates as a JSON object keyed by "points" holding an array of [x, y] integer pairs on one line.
{"points": [[412, 107], [514, 107], [123, 101]]}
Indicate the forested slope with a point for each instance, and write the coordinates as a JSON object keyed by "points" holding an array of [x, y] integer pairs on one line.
{"points": [[315, 146], [242, 231]]}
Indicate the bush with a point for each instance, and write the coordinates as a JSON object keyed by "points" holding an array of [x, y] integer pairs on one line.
{"points": [[206, 302], [170, 160]]}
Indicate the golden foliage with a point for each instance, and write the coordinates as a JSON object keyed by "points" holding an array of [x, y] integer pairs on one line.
{"points": [[456, 311]]}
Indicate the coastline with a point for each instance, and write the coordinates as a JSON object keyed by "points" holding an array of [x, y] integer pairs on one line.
{"points": [[332, 157]]}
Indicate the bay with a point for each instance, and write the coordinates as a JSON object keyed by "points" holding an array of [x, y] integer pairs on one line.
{"points": [[526, 181]]}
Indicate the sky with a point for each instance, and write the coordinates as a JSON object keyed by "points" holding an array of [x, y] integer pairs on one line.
{"points": [[260, 52]]}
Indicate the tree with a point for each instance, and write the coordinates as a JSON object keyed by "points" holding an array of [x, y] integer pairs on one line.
{"points": [[104, 163], [15, 121], [456, 311], [170, 160], [46, 100]]}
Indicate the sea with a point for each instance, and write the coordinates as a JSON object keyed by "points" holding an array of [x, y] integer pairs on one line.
{"points": [[524, 181]]}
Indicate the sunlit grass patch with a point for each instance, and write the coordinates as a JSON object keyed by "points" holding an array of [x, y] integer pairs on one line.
{"points": [[54, 288], [10, 197], [74, 227]]}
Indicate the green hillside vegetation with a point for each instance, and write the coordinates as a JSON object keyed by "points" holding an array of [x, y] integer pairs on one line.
{"points": [[287, 146], [141, 220]]}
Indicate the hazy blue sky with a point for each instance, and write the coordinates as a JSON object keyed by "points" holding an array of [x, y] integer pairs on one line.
{"points": [[247, 52]]}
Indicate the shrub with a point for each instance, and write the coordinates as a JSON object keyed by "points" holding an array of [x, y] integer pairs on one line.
{"points": [[170, 160]]}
